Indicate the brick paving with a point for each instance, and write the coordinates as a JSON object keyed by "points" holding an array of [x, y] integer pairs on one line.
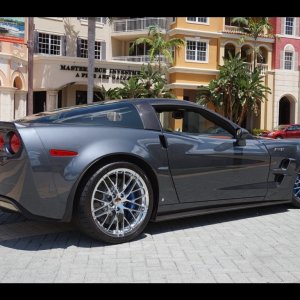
{"points": [[256, 245]]}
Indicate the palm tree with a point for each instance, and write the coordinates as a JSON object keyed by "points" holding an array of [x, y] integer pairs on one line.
{"points": [[237, 90], [91, 57], [255, 27], [159, 45], [252, 92]]}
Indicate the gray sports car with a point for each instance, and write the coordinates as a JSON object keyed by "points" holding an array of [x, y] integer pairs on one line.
{"points": [[113, 167]]}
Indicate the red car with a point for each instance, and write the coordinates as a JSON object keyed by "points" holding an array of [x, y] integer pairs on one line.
{"points": [[288, 131]]}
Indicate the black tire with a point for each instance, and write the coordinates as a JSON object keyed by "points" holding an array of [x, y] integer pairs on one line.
{"points": [[83, 212]]}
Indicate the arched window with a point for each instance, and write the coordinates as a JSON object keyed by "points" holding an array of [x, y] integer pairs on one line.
{"points": [[262, 55], [229, 48], [18, 83], [288, 57]]}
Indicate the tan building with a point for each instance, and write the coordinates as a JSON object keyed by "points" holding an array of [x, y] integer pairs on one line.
{"points": [[60, 62]]}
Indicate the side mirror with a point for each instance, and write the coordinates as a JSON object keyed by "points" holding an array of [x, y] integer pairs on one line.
{"points": [[241, 136]]}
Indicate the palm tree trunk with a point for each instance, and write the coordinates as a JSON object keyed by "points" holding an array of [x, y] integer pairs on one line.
{"points": [[91, 57], [159, 54], [243, 114]]}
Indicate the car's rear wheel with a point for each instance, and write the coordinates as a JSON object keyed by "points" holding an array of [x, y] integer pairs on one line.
{"points": [[115, 204], [296, 192]]}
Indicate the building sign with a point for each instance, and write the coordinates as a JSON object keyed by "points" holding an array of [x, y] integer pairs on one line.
{"points": [[12, 29], [100, 73]]}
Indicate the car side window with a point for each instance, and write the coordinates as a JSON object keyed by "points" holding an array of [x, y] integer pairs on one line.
{"points": [[115, 115], [191, 123]]}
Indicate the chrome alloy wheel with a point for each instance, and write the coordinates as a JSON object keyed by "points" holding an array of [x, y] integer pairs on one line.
{"points": [[120, 202], [296, 188]]}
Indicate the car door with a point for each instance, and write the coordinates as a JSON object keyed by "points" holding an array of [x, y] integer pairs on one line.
{"points": [[291, 132], [297, 131], [205, 161]]}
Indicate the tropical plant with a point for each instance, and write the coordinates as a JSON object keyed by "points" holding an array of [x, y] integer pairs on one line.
{"points": [[110, 94], [255, 27], [251, 93], [159, 45], [132, 88], [236, 90]]}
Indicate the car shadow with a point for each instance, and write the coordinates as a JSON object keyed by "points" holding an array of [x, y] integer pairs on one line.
{"points": [[53, 235]]}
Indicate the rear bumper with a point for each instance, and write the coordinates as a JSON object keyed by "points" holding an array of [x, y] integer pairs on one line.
{"points": [[14, 206]]}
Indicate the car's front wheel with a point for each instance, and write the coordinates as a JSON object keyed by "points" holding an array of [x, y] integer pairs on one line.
{"points": [[296, 192], [115, 204]]}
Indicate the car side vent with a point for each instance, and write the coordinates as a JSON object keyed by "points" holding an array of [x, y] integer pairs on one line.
{"points": [[284, 164], [278, 178]]}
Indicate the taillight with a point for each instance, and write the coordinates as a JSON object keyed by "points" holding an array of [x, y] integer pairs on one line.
{"points": [[1, 142], [14, 143]]}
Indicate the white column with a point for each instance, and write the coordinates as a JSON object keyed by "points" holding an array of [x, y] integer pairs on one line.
{"points": [[6, 104], [20, 104], [51, 100]]}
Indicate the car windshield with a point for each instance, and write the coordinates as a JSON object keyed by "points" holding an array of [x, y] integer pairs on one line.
{"points": [[280, 127]]}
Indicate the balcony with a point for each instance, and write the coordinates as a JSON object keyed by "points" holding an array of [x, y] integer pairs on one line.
{"points": [[138, 58], [234, 29], [141, 24], [263, 68]]}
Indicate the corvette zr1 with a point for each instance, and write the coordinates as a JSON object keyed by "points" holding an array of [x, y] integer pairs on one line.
{"points": [[114, 166]]}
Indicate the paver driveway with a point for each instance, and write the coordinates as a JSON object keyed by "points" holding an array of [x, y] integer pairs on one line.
{"points": [[257, 245]]}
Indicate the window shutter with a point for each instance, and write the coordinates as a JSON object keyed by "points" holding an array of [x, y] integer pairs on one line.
{"points": [[282, 25], [63, 45], [36, 42], [295, 61], [103, 50], [297, 26], [281, 60], [78, 47]]}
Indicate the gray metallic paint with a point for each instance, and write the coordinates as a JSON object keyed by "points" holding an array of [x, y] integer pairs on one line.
{"points": [[207, 173]]}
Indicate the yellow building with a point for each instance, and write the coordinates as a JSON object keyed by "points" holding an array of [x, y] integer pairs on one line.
{"points": [[208, 40]]}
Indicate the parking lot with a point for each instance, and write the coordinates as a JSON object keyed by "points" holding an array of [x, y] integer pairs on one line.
{"points": [[256, 245]]}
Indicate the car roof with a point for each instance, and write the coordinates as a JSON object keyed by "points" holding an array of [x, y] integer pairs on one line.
{"points": [[155, 101]]}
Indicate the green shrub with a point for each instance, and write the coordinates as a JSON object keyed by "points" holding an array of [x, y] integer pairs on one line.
{"points": [[257, 131]]}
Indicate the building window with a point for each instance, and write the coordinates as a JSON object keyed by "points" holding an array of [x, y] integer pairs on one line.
{"points": [[98, 19], [84, 49], [140, 49], [49, 44], [196, 51], [200, 20], [288, 60], [289, 25]]}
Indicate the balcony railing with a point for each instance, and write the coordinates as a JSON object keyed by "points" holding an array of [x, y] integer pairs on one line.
{"points": [[128, 25], [138, 58], [263, 68], [234, 29]]}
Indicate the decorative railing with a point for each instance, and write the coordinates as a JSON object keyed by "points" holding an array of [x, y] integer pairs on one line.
{"points": [[140, 24], [263, 68], [234, 29], [137, 58]]}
